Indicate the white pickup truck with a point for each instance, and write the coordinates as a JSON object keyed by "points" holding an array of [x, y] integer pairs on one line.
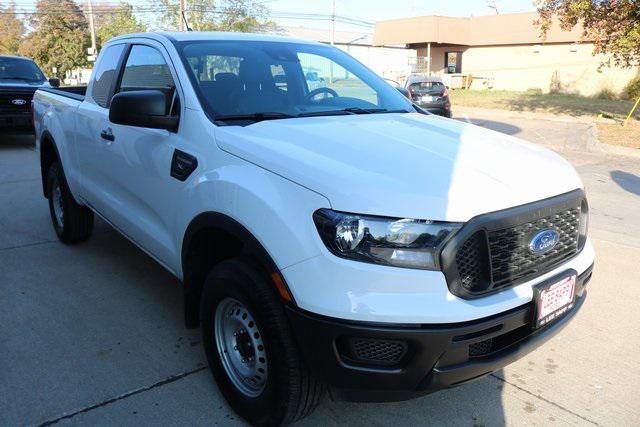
{"points": [[336, 238]]}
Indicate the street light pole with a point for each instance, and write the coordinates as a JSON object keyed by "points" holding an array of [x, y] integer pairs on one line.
{"points": [[92, 29], [333, 23]]}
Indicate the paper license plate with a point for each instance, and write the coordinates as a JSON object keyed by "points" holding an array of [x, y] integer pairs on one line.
{"points": [[553, 299]]}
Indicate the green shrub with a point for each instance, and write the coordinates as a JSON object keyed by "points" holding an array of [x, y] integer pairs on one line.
{"points": [[633, 88]]}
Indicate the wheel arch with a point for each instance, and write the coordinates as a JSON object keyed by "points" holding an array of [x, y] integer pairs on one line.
{"points": [[48, 154], [210, 238]]}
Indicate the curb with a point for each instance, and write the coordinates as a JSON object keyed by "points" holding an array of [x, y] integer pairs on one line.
{"points": [[593, 143]]}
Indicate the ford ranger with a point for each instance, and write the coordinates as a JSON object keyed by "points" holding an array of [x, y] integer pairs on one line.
{"points": [[333, 238]]}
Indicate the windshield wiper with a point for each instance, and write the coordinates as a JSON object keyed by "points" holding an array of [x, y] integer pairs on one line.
{"points": [[349, 111], [357, 110], [326, 113], [255, 117]]}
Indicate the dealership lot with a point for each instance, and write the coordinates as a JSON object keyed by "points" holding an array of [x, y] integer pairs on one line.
{"points": [[93, 334]]}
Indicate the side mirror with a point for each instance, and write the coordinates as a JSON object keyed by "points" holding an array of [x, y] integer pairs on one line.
{"points": [[404, 91], [142, 108], [54, 81]]}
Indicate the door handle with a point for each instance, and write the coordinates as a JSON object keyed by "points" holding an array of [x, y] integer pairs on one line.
{"points": [[107, 134]]}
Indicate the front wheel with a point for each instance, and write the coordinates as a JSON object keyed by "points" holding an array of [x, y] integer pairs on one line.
{"points": [[251, 349]]}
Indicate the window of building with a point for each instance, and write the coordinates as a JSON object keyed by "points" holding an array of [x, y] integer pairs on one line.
{"points": [[105, 74], [453, 61]]}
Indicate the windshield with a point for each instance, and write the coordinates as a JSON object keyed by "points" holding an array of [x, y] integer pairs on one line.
{"points": [[258, 80], [20, 69]]}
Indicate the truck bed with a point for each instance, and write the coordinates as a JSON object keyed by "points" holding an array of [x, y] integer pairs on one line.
{"points": [[74, 92]]}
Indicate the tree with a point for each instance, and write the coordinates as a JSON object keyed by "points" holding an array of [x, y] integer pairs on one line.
{"points": [[11, 30], [613, 25], [246, 17], [60, 37], [212, 15], [120, 20]]}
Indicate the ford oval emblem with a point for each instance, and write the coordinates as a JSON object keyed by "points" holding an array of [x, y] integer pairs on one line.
{"points": [[543, 241], [18, 102]]}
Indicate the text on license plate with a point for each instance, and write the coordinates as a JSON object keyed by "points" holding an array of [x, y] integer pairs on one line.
{"points": [[555, 300]]}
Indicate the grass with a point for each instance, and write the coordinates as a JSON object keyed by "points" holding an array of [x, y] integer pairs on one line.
{"points": [[572, 105], [628, 136], [565, 104]]}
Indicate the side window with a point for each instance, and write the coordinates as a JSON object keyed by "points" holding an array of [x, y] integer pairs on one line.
{"points": [[105, 73], [146, 69]]}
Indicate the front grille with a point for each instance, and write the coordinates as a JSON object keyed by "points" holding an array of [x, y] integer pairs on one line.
{"points": [[6, 101], [492, 252], [372, 351], [498, 343], [472, 259], [511, 257], [481, 348]]}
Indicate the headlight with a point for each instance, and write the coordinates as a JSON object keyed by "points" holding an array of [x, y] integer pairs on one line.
{"points": [[409, 243]]}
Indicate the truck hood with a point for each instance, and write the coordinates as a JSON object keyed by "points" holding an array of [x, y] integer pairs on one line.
{"points": [[403, 165], [9, 85]]}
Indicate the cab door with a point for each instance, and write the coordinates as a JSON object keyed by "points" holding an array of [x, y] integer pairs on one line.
{"points": [[138, 193]]}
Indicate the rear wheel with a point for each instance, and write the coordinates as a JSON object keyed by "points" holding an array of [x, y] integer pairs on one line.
{"points": [[71, 221], [251, 349]]}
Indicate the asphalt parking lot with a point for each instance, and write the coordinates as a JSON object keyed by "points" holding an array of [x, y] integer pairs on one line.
{"points": [[92, 334]]}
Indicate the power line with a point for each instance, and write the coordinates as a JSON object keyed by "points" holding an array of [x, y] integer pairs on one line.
{"points": [[104, 10]]}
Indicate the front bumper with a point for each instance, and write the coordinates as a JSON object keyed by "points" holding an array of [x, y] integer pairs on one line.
{"points": [[438, 108], [407, 361], [16, 122]]}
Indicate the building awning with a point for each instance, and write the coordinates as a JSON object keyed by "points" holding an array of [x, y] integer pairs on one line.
{"points": [[506, 29]]}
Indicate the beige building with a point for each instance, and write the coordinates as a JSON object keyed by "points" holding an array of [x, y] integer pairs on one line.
{"points": [[503, 52]]}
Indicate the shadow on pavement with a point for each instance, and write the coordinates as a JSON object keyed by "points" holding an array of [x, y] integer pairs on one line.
{"points": [[478, 403], [501, 127], [627, 181]]}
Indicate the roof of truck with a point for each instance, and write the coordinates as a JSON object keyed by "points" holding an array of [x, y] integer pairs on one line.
{"points": [[213, 35]]}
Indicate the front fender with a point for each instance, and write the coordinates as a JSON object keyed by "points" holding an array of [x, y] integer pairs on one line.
{"points": [[274, 210]]}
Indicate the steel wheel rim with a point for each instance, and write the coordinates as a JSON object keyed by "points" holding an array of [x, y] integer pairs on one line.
{"points": [[56, 201], [241, 347]]}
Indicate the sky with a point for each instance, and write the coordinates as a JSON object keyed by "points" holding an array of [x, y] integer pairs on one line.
{"points": [[377, 10], [365, 10]]}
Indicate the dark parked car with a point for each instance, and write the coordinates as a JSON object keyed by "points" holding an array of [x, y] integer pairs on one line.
{"points": [[430, 94], [19, 79]]}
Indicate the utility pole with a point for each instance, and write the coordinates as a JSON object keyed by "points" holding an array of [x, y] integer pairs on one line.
{"points": [[181, 17], [429, 59], [92, 29], [333, 37], [493, 4], [333, 23]]}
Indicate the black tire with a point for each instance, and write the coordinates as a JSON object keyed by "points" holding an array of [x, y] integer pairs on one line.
{"points": [[290, 392], [76, 223]]}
